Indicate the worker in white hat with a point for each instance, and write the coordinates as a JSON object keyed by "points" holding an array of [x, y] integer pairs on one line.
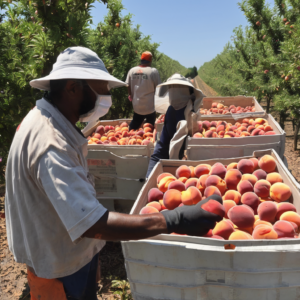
{"points": [[55, 224], [179, 100]]}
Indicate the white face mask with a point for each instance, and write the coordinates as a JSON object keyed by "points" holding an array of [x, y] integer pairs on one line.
{"points": [[102, 106], [179, 96]]}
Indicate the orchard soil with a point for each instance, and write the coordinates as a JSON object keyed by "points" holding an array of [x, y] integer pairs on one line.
{"points": [[13, 281]]}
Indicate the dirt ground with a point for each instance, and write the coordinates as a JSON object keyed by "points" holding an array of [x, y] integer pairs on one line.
{"points": [[13, 282]]}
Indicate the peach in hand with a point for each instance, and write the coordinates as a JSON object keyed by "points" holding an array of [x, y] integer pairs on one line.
{"points": [[214, 207]]}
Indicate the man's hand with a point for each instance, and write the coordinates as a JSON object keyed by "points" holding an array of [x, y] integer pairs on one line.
{"points": [[192, 220], [129, 98]]}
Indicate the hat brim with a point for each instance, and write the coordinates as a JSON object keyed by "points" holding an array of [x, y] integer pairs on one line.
{"points": [[177, 81], [77, 73]]}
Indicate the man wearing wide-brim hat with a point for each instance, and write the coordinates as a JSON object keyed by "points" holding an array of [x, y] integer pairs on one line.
{"points": [[179, 100], [55, 224]]}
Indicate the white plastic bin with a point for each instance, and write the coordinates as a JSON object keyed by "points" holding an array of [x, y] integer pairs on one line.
{"points": [[189, 268], [208, 148], [242, 101]]}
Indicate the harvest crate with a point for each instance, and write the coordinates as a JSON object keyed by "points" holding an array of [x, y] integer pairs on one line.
{"points": [[121, 150], [188, 268], [208, 148], [242, 101], [117, 177]]}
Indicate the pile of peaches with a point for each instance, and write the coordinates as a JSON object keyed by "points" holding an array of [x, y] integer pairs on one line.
{"points": [[255, 198], [222, 129], [121, 135], [221, 109]]}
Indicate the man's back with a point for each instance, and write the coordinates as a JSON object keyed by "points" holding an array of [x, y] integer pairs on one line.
{"points": [[143, 82]]}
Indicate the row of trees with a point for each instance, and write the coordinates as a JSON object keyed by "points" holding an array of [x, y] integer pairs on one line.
{"points": [[34, 32], [263, 59]]}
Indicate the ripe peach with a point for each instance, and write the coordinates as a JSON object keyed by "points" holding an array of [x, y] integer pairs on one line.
{"points": [[227, 205], [132, 142], [270, 133], [291, 216], [264, 232], [197, 135], [232, 178], [100, 130], [172, 198], [255, 162], [232, 166], [218, 169], [215, 207], [155, 194], [124, 129], [202, 169], [183, 171], [148, 210], [284, 229], [191, 182], [155, 204], [250, 199], [262, 188], [250, 177], [233, 195], [103, 138], [176, 185], [124, 124], [223, 229], [267, 211], [280, 192], [260, 174], [244, 186], [274, 177], [211, 190], [146, 142], [240, 235], [214, 180], [284, 207], [245, 166], [202, 180], [267, 163], [242, 216], [206, 125], [148, 125], [191, 196], [147, 129], [250, 129], [164, 183], [220, 128], [261, 222], [161, 176], [210, 134]]}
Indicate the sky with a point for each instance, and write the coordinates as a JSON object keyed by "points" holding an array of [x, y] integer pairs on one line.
{"points": [[192, 31]]}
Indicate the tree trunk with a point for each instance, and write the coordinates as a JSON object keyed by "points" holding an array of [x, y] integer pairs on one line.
{"points": [[268, 104], [296, 135], [282, 119]]}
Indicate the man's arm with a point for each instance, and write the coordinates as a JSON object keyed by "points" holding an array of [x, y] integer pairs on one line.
{"points": [[115, 227], [129, 91], [192, 220]]}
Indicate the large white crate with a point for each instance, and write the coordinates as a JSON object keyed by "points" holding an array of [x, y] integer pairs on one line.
{"points": [[208, 148], [121, 150], [195, 268], [242, 101], [117, 177]]}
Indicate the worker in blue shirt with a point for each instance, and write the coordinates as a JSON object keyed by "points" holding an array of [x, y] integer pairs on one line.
{"points": [[178, 97]]}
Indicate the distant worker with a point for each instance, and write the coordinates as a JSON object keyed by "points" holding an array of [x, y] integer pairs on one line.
{"points": [[142, 82], [178, 98]]}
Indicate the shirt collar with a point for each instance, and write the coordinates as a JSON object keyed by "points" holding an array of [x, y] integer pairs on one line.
{"points": [[68, 129]]}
